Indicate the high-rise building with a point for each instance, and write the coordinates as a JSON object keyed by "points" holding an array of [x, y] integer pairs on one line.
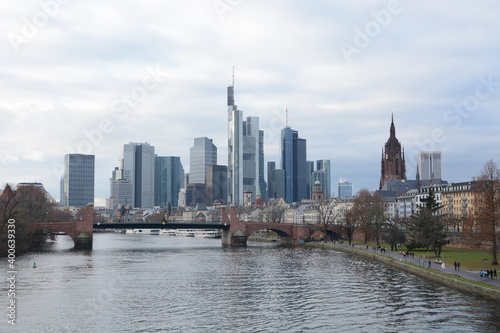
{"points": [[78, 183], [275, 181], [137, 166], [235, 151], [262, 181], [393, 159], [294, 162], [344, 188], [310, 179], [202, 155], [217, 183], [251, 156], [326, 186], [169, 179], [243, 153], [429, 165]]}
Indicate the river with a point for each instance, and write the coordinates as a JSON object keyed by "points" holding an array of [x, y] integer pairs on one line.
{"points": [[144, 283]]}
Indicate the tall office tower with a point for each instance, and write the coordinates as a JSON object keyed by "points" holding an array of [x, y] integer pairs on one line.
{"points": [[235, 151], [393, 159], [271, 166], [78, 184], [326, 186], [61, 191], [137, 166], [217, 183], [310, 179], [202, 155], [429, 165], [251, 156], [344, 188], [293, 161], [275, 181], [262, 181], [169, 179]]}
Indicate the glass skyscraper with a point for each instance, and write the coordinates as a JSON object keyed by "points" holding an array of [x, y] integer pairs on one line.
{"points": [[78, 180], [294, 162], [202, 155], [169, 179]]}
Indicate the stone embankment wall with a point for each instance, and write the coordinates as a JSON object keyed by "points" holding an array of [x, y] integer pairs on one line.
{"points": [[447, 279]]}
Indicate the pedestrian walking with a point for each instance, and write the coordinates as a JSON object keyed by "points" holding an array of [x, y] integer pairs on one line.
{"points": [[495, 273], [481, 274], [458, 266], [429, 263], [455, 264]]}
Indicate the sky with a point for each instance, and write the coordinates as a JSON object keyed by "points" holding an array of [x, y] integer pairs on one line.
{"points": [[90, 76]]}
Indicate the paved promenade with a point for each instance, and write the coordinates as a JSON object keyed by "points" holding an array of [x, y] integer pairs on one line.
{"points": [[448, 268]]}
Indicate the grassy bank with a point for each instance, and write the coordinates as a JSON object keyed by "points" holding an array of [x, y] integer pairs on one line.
{"points": [[469, 259]]}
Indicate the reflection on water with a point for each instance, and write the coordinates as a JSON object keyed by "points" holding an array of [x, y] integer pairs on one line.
{"points": [[141, 283]]}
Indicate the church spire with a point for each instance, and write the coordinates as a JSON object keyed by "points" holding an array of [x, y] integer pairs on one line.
{"points": [[393, 129]]}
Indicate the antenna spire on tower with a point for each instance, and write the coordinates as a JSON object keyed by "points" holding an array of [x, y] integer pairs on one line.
{"points": [[286, 117]]}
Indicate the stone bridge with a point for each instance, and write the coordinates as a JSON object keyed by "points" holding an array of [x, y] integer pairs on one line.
{"points": [[81, 231], [289, 233]]}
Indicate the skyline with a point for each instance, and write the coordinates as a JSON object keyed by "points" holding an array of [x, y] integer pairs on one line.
{"points": [[89, 81]]}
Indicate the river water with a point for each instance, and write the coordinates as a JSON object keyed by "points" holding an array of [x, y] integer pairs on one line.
{"points": [[143, 283]]}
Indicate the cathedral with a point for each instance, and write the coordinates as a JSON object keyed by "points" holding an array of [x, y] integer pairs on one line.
{"points": [[393, 159]]}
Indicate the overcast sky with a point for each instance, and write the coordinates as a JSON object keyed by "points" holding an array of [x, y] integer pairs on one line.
{"points": [[90, 76]]}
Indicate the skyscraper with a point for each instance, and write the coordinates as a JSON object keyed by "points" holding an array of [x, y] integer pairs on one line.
{"points": [[169, 179], [344, 188], [393, 159], [135, 174], [78, 182], [235, 151], [324, 165], [243, 153], [217, 183], [294, 163], [429, 165], [251, 156], [202, 155]]}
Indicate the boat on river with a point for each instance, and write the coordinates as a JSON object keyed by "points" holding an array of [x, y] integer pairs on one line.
{"points": [[143, 231], [202, 233]]}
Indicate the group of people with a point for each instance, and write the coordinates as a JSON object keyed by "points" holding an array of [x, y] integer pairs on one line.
{"points": [[488, 273], [457, 265]]}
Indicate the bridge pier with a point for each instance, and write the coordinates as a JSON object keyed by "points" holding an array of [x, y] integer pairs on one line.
{"points": [[83, 241]]}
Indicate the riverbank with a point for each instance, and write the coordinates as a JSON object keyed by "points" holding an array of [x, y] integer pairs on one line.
{"points": [[463, 280]]}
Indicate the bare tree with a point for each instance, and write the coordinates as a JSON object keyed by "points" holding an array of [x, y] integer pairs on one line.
{"points": [[329, 213], [487, 210], [369, 209], [273, 214], [349, 222]]}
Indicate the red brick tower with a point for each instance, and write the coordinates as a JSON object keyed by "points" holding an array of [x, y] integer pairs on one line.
{"points": [[393, 159]]}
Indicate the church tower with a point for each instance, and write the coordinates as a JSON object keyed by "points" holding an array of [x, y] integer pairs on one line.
{"points": [[393, 159]]}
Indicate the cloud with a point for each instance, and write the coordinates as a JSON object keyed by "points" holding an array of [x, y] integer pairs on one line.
{"points": [[71, 75]]}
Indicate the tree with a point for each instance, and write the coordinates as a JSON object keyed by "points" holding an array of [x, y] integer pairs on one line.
{"points": [[273, 214], [329, 213], [369, 210], [394, 235], [349, 222], [487, 210], [428, 229], [26, 205]]}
